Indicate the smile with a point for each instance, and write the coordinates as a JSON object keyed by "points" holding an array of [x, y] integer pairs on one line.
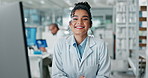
{"points": [[79, 27]]}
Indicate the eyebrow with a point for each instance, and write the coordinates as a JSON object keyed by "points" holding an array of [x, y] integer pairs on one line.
{"points": [[82, 16], [85, 16]]}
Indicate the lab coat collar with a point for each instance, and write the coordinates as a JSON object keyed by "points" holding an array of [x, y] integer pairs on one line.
{"points": [[70, 40], [89, 44]]}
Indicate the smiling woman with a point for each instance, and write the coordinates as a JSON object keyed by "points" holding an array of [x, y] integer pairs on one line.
{"points": [[81, 20], [80, 23], [80, 55]]}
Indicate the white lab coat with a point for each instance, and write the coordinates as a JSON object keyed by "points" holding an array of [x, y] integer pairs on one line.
{"points": [[51, 39], [95, 62]]}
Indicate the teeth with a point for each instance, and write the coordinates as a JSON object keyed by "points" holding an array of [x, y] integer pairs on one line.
{"points": [[79, 27]]}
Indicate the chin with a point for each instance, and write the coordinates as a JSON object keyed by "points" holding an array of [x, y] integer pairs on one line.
{"points": [[79, 33]]}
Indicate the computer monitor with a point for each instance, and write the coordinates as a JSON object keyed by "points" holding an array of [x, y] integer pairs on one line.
{"points": [[41, 43], [31, 35], [14, 62]]}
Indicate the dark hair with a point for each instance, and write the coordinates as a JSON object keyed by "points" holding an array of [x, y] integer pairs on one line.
{"points": [[84, 6], [54, 24]]}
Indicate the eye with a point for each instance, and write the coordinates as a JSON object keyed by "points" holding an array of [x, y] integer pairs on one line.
{"points": [[75, 19], [85, 19]]}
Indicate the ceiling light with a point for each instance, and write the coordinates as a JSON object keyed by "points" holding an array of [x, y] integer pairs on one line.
{"points": [[30, 2], [42, 2], [68, 2], [25, 19], [70, 8]]}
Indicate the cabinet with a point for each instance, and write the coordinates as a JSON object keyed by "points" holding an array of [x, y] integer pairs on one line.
{"points": [[131, 35], [133, 58], [127, 32]]}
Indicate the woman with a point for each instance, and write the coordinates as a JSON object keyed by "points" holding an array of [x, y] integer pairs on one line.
{"points": [[80, 56]]}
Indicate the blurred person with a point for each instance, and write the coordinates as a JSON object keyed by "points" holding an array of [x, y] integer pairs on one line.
{"points": [[80, 55], [50, 37]]}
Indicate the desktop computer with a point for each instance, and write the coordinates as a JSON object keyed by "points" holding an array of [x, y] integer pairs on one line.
{"points": [[14, 60]]}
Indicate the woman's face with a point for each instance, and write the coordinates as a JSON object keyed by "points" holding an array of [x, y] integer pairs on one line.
{"points": [[80, 22]]}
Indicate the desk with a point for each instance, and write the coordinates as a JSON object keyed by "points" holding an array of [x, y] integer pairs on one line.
{"points": [[36, 69]]}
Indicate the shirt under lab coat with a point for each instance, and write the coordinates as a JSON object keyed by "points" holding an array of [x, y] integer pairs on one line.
{"points": [[95, 62]]}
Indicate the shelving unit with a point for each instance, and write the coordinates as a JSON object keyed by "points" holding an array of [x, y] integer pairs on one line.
{"points": [[131, 35], [137, 59], [121, 31], [126, 33], [146, 55], [121, 27], [133, 59], [143, 37]]}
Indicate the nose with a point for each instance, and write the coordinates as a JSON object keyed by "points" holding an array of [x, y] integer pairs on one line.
{"points": [[80, 21]]}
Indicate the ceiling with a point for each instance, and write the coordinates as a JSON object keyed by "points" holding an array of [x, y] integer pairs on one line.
{"points": [[59, 4]]}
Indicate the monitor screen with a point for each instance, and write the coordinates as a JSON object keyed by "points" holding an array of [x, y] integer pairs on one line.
{"points": [[41, 43], [31, 36], [14, 61]]}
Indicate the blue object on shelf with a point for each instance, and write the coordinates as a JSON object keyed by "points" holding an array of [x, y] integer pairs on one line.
{"points": [[37, 52], [140, 13]]}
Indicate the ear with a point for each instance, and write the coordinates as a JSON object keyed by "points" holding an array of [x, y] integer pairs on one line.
{"points": [[70, 23], [90, 24]]}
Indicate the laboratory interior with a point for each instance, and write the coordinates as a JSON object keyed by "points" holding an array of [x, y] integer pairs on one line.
{"points": [[122, 24]]}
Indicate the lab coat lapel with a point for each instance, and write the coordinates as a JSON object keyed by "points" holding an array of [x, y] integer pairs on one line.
{"points": [[72, 48], [88, 51]]}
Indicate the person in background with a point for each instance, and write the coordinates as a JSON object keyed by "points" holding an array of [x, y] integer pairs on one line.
{"points": [[50, 37], [53, 28], [80, 55]]}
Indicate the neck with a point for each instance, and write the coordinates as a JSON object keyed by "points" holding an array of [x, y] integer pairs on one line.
{"points": [[80, 38]]}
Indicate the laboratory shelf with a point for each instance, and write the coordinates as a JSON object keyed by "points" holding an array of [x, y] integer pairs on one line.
{"points": [[132, 63]]}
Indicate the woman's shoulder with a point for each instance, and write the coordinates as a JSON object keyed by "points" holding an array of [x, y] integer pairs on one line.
{"points": [[97, 40], [61, 40]]}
